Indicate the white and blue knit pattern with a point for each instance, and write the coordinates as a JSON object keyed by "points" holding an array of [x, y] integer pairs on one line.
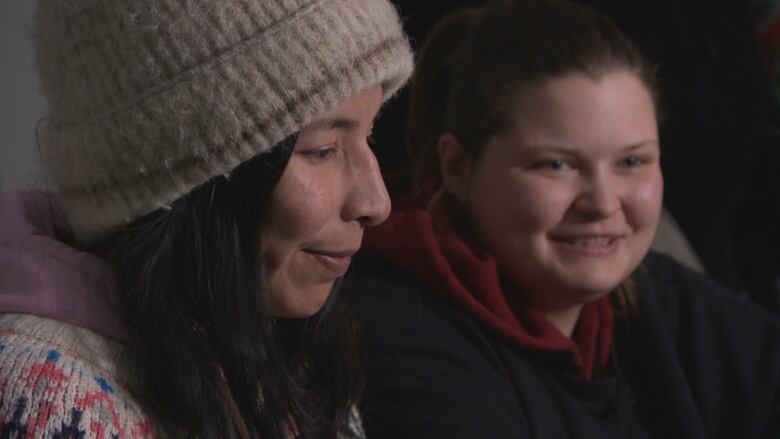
{"points": [[59, 381], [62, 381]]}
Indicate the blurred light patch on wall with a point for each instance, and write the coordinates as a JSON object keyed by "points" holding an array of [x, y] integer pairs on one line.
{"points": [[21, 105]]}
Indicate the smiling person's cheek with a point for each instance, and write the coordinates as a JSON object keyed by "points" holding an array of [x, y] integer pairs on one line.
{"points": [[642, 207], [513, 212], [644, 200]]}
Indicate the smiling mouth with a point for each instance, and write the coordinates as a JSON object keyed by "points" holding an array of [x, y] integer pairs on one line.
{"points": [[599, 245], [591, 242]]}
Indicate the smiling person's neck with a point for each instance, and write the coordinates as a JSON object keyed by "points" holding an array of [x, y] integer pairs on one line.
{"points": [[565, 319]]}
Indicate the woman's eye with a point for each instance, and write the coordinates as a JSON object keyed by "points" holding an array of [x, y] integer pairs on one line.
{"points": [[633, 161], [553, 165], [319, 153]]}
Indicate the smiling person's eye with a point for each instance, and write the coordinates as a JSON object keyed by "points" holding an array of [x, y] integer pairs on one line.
{"points": [[552, 165], [633, 161]]}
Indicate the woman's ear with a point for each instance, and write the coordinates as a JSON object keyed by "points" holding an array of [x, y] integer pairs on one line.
{"points": [[455, 166]]}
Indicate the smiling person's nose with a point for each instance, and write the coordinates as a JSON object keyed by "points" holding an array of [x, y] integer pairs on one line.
{"points": [[599, 197], [368, 202]]}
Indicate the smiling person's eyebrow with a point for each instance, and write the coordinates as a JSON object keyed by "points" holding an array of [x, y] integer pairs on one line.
{"points": [[640, 144], [573, 150]]}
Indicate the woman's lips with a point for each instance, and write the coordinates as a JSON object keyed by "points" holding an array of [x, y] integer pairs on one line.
{"points": [[335, 262], [590, 245]]}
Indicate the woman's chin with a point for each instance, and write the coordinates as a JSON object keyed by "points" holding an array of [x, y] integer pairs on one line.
{"points": [[300, 304]]}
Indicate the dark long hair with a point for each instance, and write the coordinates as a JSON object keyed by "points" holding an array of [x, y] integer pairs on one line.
{"points": [[475, 60], [211, 360]]}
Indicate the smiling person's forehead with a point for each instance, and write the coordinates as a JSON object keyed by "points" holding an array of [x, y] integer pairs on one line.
{"points": [[576, 110], [574, 149]]}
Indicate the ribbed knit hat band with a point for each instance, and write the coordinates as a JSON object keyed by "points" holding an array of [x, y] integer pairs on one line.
{"points": [[149, 99]]}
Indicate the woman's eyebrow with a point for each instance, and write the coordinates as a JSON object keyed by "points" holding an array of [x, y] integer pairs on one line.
{"points": [[331, 123], [563, 149], [640, 144]]}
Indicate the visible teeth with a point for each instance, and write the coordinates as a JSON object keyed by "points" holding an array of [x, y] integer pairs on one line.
{"points": [[587, 242]]}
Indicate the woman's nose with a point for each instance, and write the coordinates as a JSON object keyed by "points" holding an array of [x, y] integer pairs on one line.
{"points": [[368, 201], [599, 197]]}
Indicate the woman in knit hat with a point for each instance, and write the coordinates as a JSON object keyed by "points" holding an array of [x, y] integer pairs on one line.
{"points": [[511, 294], [213, 179]]}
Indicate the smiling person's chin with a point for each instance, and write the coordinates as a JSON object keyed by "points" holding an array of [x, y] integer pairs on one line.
{"points": [[594, 286]]}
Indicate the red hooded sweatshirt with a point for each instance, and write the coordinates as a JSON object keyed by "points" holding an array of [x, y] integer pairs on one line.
{"points": [[430, 251]]}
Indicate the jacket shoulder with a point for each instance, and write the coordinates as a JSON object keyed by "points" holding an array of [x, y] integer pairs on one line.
{"points": [[432, 370], [58, 380], [721, 352], [669, 285]]}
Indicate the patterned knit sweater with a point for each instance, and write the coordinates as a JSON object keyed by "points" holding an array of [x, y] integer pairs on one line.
{"points": [[63, 368], [61, 381]]}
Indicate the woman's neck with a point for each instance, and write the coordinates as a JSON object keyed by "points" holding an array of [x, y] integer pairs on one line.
{"points": [[565, 319]]}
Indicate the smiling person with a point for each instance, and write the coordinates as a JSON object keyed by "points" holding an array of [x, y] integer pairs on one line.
{"points": [[212, 179], [511, 293]]}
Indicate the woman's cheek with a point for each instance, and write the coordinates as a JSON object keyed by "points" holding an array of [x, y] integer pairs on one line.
{"points": [[299, 207], [645, 200], [539, 203]]}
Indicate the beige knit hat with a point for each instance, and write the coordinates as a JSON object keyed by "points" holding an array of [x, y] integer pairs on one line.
{"points": [[150, 98]]}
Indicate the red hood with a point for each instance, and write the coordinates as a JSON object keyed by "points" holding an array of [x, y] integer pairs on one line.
{"points": [[434, 255]]}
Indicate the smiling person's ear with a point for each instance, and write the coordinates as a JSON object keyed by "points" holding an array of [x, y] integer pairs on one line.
{"points": [[455, 166]]}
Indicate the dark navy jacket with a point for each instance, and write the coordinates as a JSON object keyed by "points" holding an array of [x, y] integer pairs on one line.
{"points": [[695, 362]]}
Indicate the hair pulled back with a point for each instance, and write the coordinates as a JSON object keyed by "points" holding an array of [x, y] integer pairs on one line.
{"points": [[475, 60]]}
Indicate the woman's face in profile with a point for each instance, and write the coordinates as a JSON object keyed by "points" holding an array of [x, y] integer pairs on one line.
{"points": [[329, 192], [568, 200]]}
